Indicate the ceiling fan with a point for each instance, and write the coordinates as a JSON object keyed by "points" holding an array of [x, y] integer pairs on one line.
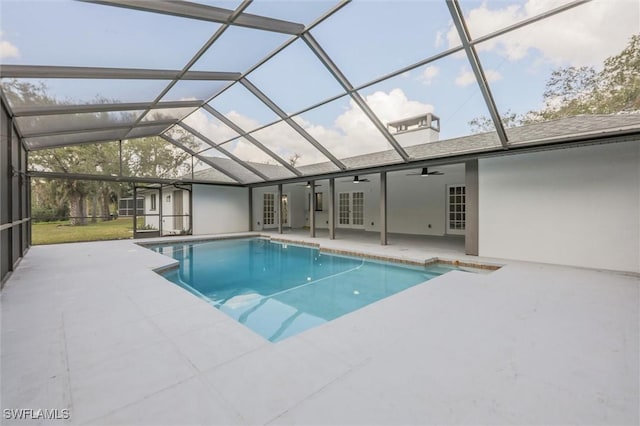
{"points": [[425, 172], [356, 179], [308, 184]]}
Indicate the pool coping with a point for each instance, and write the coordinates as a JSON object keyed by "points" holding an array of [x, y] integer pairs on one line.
{"points": [[481, 265]]}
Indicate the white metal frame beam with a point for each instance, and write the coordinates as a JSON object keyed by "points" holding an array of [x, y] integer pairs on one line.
{"points": [[40, 110], [283, 115], [200, 157], [348, 87], [85, 129], [476, 66], [46, 71], [251, 139], [224, 151], [203, 12]]}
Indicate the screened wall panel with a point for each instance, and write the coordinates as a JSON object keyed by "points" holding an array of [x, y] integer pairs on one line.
{"points": [[243, 108], [591, 72], [32, 92], [446, 88], [154, 157], [5, 259], [189, 90], [239, 48], [384, 36], [289, 86], [43, 142], [90, 159], [101, 36], [343, 129], [13, 195], [210, 127], [80, 121]]}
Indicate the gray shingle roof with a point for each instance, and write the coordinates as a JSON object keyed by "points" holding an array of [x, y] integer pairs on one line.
{"points": [[531, 134]]}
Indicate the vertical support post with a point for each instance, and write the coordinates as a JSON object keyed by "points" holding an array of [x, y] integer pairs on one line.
{"points": [[383, 208], [20, 212], [135, 210], [191, 210], [160, 219], [120, 156], [30, 228], [332, 209], [471, 230], [280, 208], [312, 210], [9, 198], [250, 209]]}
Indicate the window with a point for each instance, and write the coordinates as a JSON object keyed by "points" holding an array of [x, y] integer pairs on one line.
{"points": [[153, 202], [456, 209], [343, 208], [125, 206], [358, 208], [318, 201], [269, 209]]}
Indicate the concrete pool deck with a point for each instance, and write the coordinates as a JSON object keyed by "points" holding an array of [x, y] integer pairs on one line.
{"points": [[89, 327]]}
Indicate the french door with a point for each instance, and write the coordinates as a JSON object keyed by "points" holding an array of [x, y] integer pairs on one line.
{"points": [[351, 209], [456, 209]]}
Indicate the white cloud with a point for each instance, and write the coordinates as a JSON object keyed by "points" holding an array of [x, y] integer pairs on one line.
{"points": [[429, 73], [466, 77], [8, 50], [583, 35], [352, 133], [439, 39]]}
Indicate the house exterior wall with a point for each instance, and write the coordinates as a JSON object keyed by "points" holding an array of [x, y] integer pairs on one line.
{"points": [[577, 206], [413, 202], [154, 219], [168, 200], [220, 209]]}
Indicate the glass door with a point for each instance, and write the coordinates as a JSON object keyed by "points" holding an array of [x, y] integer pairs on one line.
{"points": [[344, 208], [351, 209], [269, 210]]}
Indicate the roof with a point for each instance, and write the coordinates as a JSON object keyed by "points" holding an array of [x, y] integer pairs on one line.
{"points": [[556, 131], [273, 90]]}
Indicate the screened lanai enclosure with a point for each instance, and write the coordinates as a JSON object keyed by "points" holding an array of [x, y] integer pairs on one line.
{"points": [[165, 94]]}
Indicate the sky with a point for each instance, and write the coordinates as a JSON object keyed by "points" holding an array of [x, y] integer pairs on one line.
{"points": [[366, 40]]}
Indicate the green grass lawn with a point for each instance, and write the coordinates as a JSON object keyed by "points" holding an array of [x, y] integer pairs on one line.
{"points": [[62, 232]]}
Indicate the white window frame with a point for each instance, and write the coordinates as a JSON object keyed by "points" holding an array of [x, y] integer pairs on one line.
{"points": [[350, 210], [268, 209], [456, 209]]}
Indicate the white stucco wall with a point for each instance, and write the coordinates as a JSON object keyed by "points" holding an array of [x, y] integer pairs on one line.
{"points": [[220, 209], [168, 201], [153, 219], [414, 202], [578, 206]]}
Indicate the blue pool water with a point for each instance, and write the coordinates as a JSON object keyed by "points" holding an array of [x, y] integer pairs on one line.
{"points": [[278, 289]]}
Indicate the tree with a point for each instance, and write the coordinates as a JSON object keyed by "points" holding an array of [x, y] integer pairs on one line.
{"points": [[150, 156], [582, 90], [485, 124], [294, 159]]}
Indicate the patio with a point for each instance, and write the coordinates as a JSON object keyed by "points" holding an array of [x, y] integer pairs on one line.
{"points": [[91, 328]]}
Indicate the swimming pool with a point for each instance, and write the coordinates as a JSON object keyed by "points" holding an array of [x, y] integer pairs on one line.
{"points": [[279, 289]]}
